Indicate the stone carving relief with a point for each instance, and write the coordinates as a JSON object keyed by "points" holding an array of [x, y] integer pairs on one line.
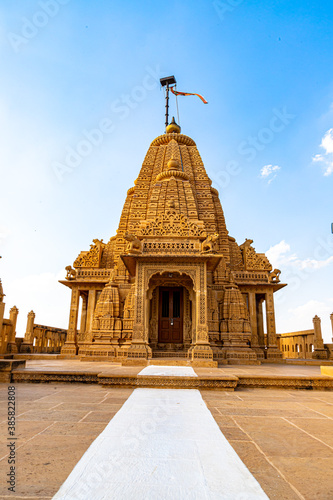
{"points": [[172, 224], [153, 322], [134, 244], [71, 273], [254, 261], [91, 258], [128, 315], [274, 276], [209, 244], [107, 312]]}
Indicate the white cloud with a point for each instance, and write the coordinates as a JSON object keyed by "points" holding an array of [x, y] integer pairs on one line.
{"points": [[269, 172], [276, 253], [44, 295], [280, 256], [327, 141], [327, 157], [301, 316], [4, 233]]}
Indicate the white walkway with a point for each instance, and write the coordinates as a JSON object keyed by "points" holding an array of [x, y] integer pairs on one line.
{"points": [[163, 444], [170, 371]]}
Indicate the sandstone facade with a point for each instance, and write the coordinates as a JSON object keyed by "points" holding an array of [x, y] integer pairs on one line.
{"points": [[172, 281]]}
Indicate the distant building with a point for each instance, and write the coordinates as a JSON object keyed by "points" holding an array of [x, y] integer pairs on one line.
{"points": [[306, 344]]}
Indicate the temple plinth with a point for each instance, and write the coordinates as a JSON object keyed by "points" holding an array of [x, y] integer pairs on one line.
{"points": [[172, 282]]}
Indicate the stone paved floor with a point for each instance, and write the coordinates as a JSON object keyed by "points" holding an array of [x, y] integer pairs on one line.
{"points": [[116, 368], [55, 425], [284, 437]]}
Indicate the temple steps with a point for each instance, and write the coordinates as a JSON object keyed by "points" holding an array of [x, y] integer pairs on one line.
{"points": [[170, 354]]}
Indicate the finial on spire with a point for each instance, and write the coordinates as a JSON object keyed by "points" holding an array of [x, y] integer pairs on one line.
{"points": [[173, 127], [166, 82]]}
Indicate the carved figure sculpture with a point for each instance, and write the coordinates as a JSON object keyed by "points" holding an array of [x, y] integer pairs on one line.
{"points": [[98, 242], [208, 245], [274, 276], [134, 244], [247, 243], [71, 273]]}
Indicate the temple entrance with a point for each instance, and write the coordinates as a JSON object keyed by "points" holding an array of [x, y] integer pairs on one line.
{"points": [[170, 318]]}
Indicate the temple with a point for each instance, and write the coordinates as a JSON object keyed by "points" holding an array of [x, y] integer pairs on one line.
{"points": [[172, 282]]}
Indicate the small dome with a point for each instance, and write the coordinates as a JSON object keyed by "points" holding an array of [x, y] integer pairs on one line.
{"points": [[173, 164], [173, 127]]}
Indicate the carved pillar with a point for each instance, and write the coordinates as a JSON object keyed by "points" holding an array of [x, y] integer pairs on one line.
{"points": [[11, 345], [318, 344], [70, 346], [26, 345], [331, 317], [255, 344], [272, 348], [153, 319], [260, 321], [2, 313], [253, 320], [2, 332], [139, 350], [201, 350], [90, 314]]}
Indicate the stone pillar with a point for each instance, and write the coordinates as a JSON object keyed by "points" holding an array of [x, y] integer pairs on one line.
{"points": [[318, 344], [273, 352], [2, 308], [70, 346], [331, 317], [90, 314], [255, 345], [139, 350], [2, 333], [11, 345], [260, 323], [26, 345], [201, 353]]}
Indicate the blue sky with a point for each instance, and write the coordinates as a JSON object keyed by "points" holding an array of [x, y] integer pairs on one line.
{"points": [[73, 67]]}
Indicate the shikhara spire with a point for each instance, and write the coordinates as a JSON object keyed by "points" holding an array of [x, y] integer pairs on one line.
{"points": [[172, 279]]}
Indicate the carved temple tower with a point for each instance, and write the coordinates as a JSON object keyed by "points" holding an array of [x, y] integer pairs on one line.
{"points": [[172, 282]]}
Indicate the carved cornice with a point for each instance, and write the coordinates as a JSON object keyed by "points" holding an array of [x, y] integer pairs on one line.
{"points": [[166, 174], [166, 138]]}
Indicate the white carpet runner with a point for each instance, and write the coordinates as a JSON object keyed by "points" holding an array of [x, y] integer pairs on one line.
{"points": [[163, 444]]}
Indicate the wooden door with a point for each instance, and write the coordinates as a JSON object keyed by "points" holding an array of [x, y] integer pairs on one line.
{"points": [[170, 324]]}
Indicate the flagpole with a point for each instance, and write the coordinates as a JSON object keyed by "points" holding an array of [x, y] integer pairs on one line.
{"points": [[165, 82], [167, 106]]}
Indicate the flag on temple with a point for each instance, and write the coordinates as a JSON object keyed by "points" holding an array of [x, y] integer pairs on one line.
{"points": [[175, 92]]}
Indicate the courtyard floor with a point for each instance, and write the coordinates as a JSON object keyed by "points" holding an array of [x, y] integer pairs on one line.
{"points": [[284, 437]]}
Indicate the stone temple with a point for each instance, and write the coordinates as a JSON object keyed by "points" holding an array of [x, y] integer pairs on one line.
{"points": [[172, 282]]}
